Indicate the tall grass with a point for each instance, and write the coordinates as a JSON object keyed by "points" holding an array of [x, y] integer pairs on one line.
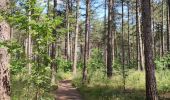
{"points": [[101, 88]]}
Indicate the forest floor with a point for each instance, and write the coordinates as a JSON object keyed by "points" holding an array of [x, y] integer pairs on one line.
{"points": [[66, 91]]}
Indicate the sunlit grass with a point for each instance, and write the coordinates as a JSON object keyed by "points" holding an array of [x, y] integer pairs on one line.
{"points": [[101, 88]]}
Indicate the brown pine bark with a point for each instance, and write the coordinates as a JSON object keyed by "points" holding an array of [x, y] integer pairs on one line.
{"points": [[137, 35], [109, 40], [151, 89], [123, 48], [86, 48], [4, 57], [4, 63]]}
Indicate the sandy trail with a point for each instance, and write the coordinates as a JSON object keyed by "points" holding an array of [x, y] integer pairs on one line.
{"points": [[66, 91]]}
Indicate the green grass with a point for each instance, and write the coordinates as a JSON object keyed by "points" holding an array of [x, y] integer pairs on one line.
{"points": [[101, 88]]}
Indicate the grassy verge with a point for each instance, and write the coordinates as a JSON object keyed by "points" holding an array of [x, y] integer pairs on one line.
{"points": [[101, 88]]}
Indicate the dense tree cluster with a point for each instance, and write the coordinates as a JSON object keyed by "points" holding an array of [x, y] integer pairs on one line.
{"points": [[42, 40]]}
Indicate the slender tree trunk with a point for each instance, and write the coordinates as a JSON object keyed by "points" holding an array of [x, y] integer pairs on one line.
{"points": [[105, 30], [76, 38], [162, 32], [141, 61], [53, 51], [151, 89], [137, 36], [153, 29], [123, 50], [68, 32], [87, 30], [4, 57], [113, 29], [128, 35], [168, 25], [29, 40], [109, 40]]}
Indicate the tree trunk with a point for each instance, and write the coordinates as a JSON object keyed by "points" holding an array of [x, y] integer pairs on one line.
{"points": [[29, 40], [151, 89], [141, 62], [105, 33], [4, 57], [53, 50], [109, 40], [87, 30], [168, 26], [123, 49], [137, 35], [128, 7], [4, 63], [153, 30], [76, 38], [162, 32], [68, 32]]}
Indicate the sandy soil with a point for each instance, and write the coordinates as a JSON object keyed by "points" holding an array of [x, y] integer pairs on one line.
{"points": [[67, 92]]}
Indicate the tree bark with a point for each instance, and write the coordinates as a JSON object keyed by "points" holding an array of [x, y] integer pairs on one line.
{"points": [[68, 32], [109, 40], [162, 32], [137, 35], [29, 40], [128, 7], [123, 49], [87, 30], [4, 57], [4, 63], [141, 62], [105, 34], [168, 26], [53, 50], [151, 88], [76, 38]]}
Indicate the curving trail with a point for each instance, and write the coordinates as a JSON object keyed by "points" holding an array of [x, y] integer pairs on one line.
{"points": [[66, 91]]}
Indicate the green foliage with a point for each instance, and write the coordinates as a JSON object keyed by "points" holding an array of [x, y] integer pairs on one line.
{"points": [[162, 63], [96, 60], [1, 18], [63, 65]]}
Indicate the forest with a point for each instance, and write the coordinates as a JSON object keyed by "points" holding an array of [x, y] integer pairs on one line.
{"points": [[84, 49]]}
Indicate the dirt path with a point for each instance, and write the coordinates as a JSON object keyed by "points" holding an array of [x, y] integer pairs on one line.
{"points": [[67, 92]]}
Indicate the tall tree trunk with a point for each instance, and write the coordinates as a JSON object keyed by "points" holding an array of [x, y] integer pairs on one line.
{"points": [[162, 32], [128, 7], [68, 32], [29, 40], [141, 61], [76, 38], [53, 50], [137, 35], [87, 30], [151, 89], [105, 33], [109, 40], [153, 29], [4, 57], [168, 21], [123, 49]]}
